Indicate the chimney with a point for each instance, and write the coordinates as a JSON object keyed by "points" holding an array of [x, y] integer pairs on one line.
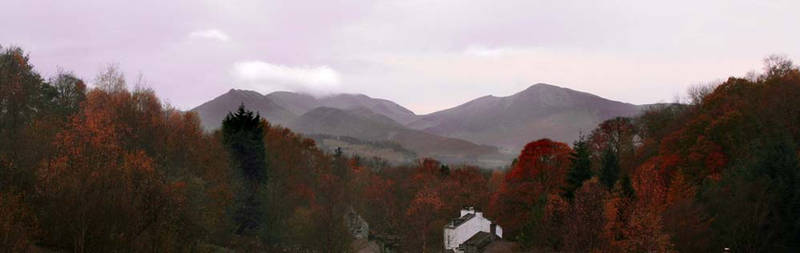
{"points": [[467, 210]]}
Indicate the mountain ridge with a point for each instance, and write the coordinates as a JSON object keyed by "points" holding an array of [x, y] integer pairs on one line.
{"points": [[539, 111], [475, 128]]}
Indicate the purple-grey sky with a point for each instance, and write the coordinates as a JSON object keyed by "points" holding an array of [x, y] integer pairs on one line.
{"points": [[425, 55]]}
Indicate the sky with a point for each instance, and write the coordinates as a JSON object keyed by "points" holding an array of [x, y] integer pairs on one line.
{"points": [[424, 55]]}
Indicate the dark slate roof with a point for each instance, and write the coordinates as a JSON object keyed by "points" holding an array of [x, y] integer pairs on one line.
{"points": [[479, 240], [460, 220]]}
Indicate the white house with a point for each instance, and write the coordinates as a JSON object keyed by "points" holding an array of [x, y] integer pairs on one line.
{"points": [[469, 225]]}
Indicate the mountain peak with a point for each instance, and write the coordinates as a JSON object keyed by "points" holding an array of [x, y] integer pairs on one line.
{"points": [[547, 85], [247, 93], [542, 87], [542, 110]]}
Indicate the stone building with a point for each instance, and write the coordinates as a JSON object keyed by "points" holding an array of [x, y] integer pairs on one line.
{"points": [[470, 232]]}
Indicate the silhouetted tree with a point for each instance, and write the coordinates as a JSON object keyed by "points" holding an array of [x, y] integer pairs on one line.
{"points": [[581, 168], [609, 172], [243, 134]]}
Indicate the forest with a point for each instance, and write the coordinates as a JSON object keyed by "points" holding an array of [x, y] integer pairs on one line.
{"points": [[112, 168]]}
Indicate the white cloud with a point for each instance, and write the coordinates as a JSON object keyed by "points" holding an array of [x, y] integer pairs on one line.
{"points": [[266, 77], [486, 52], [212, 34]]}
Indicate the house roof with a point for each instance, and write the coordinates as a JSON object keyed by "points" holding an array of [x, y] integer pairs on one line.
{"points": [[479, 240], [460, 220]]}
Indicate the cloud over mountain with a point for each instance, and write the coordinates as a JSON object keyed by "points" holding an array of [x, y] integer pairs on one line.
{"points": [[265, 76]]}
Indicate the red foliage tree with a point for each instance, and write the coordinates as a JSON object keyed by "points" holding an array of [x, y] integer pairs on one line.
{"points": [[17, 223], [423, 215], [584, 222], [540, 171]]}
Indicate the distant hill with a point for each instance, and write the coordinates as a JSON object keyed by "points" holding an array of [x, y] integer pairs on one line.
{"points": [[366, 125], [466, 133], [302, 103], [214, 111], [540, 111], [282, 107], [371, 125]]}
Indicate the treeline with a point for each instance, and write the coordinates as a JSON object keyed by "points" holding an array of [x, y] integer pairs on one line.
{"points": [[719, 172], [109, 169]]}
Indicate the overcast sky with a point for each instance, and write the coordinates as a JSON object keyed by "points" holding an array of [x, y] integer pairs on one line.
{"points": [[425, 55]]}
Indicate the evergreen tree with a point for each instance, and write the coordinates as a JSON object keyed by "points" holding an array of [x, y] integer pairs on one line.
{"points": [[444, 170], [243, 135], [779, 163], [627, 187], [581, 169], [609, 172]]}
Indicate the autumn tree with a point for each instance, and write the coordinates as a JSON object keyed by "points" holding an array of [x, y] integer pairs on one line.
{"points": [[23, 98], [684, 219], [70, 93], [541, 171], [464, 186], [422, 214], [332, 200], [17, 223], [618, 135], [769, 184], [584, 222], [643, 227], [111, 80], [100, 174]]}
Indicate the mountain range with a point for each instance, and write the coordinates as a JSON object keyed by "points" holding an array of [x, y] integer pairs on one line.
{"points": [[487, 131], [540, 111]]}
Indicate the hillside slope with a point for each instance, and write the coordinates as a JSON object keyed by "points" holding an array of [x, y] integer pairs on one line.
{"points": [[364, 124], [541, 111], [212, 113]]}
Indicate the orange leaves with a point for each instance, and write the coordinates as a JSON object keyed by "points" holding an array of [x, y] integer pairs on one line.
{"points": [[636, 225], [414, 202], [644, 232], [421, 216], [425, 204], [106, 167], [585, 219], [679, 190], [650, 185]]}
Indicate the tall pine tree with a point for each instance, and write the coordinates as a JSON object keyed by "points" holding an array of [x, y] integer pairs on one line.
{"points": [[779, 163], [609, 170], [243, 135], [581, 169]]}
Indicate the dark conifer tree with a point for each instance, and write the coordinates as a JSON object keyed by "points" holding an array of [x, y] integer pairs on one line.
{"points": [[627, 187], [581, 169], [609, 172], [779, 163], [243, 135]]}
